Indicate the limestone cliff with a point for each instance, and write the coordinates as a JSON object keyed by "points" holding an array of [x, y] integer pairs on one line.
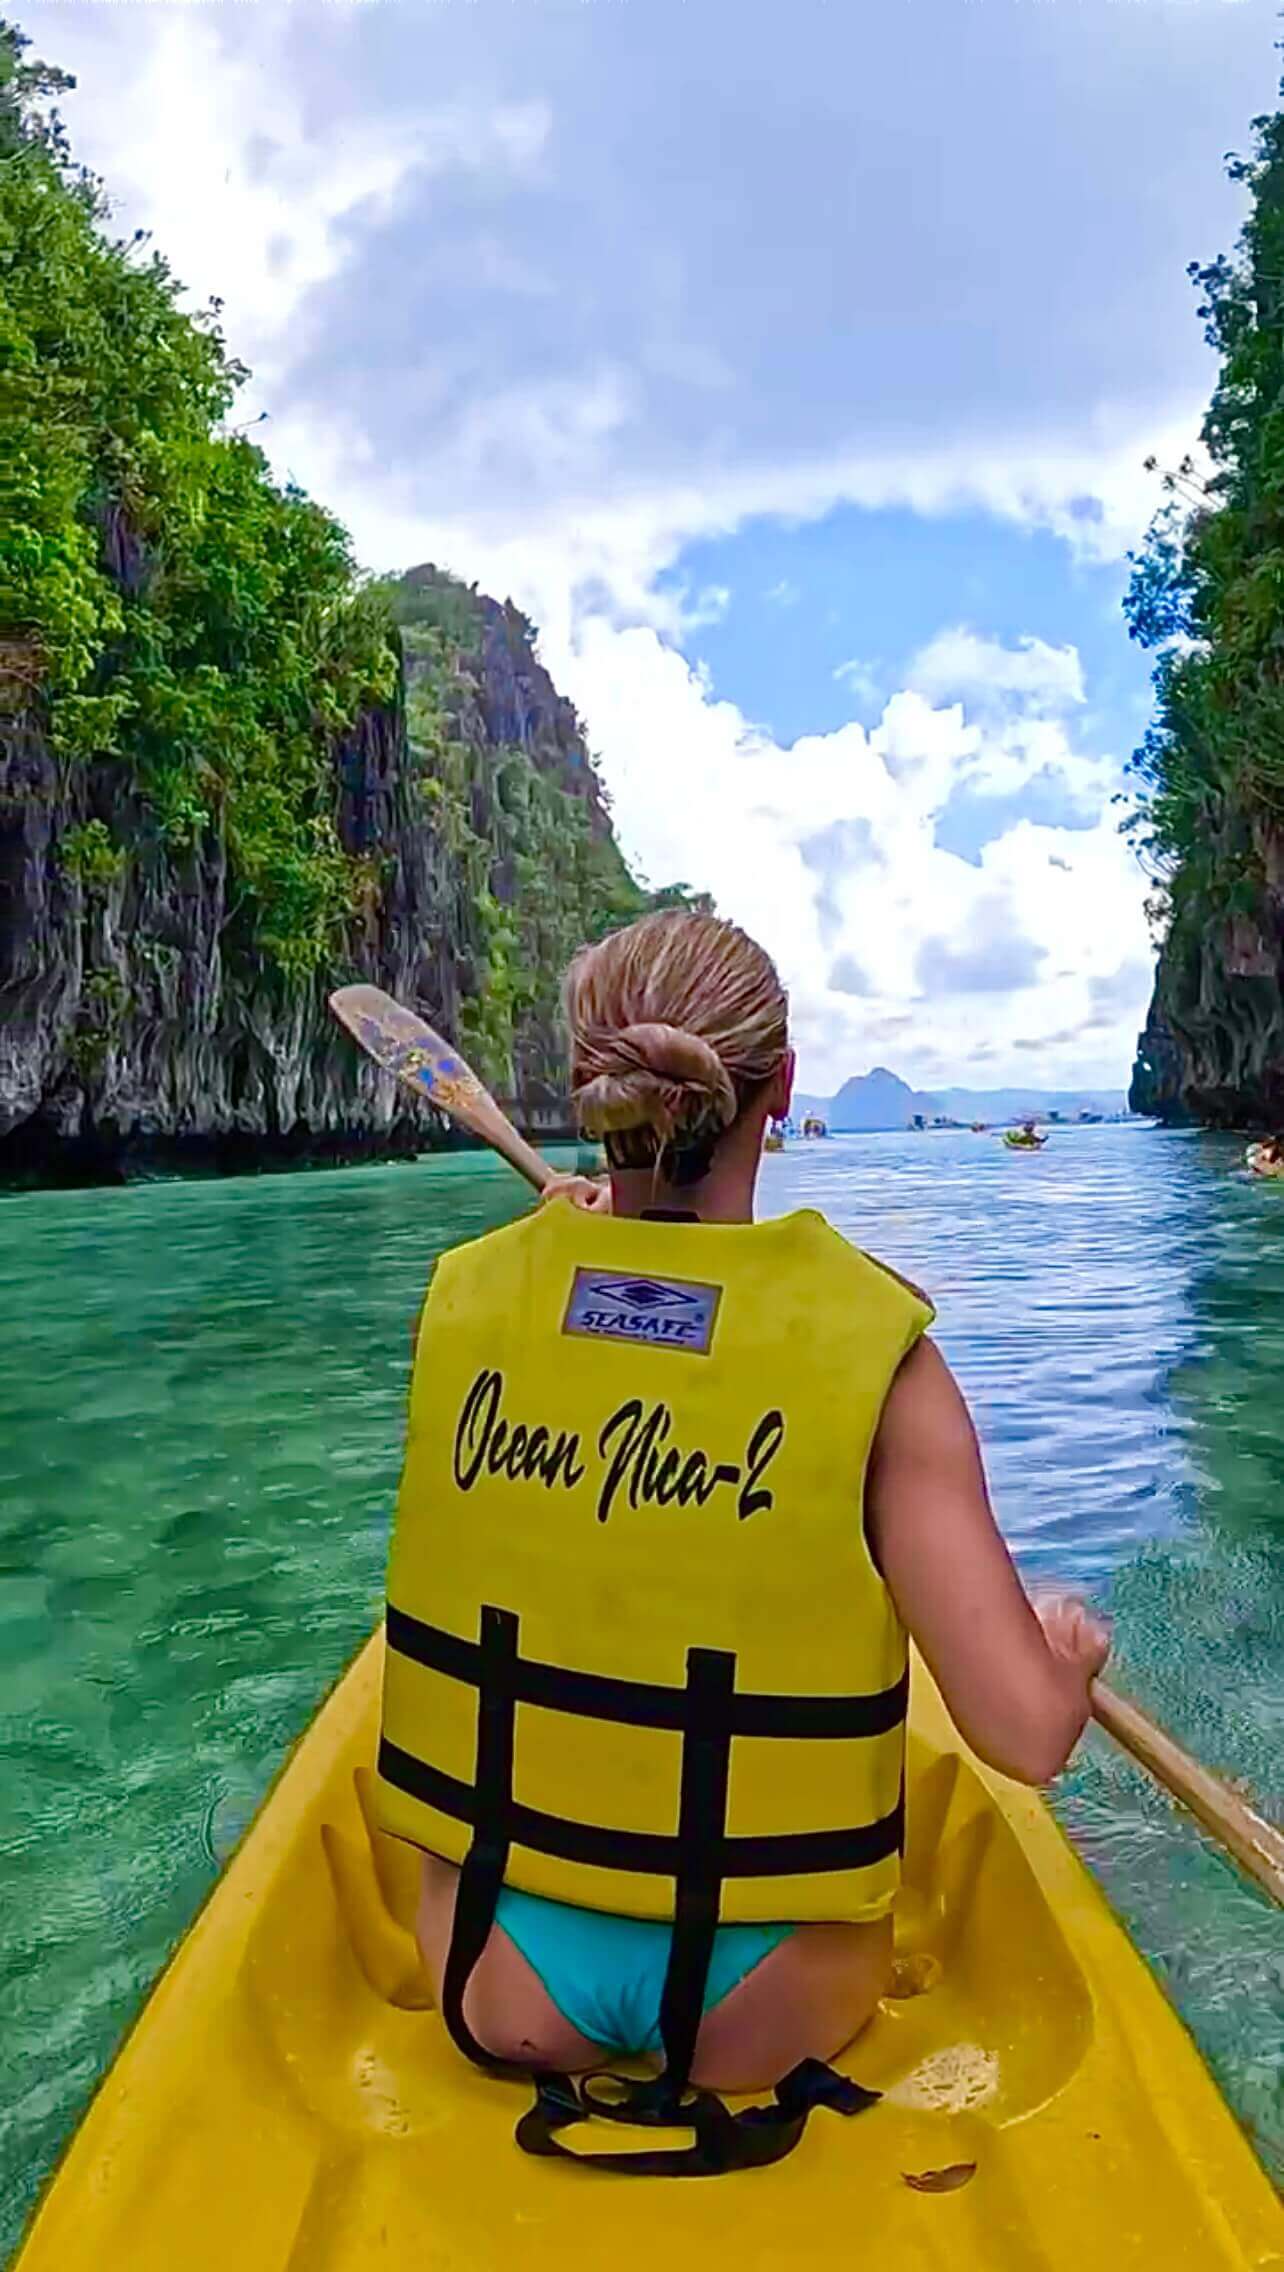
{"points": [[233, 772], [1213, 1047], [1206, 597], [141, 1027]]}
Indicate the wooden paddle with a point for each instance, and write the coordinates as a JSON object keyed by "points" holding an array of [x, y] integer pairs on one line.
{"points": [[1257, 1845], [403, 1045]]}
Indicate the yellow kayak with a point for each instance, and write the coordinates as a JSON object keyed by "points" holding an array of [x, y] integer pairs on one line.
{"points": [[280, 2104], [1024, 1143]]}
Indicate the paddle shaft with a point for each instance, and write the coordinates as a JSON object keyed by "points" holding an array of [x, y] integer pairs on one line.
{"points": [[496, 1129], [1257, 1845]]}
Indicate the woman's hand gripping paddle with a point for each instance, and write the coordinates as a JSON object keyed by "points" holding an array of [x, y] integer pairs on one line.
{"points": [[403, 1045]]}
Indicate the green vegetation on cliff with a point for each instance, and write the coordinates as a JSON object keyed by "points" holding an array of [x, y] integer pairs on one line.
{"points": [[233, 772], [1208, 590], [537, 869], [1207, 593], [180, 612]]}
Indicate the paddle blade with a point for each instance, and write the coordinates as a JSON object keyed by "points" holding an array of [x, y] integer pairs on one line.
{"points": [[403, 1045], [399, 1041]]}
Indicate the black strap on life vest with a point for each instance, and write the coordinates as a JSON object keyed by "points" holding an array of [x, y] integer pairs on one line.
{"points": [[708, 1711], [481, 1878]]}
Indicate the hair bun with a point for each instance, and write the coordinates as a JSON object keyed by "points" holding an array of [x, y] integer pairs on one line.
{"points": [[676, 1021], [685, 1059], [657, 1074]]}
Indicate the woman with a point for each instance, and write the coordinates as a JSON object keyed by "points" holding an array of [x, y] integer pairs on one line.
{"points": [[680, 1061]]}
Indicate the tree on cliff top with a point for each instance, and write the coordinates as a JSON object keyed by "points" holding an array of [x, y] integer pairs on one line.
{"points": [[165, 605], [1207, 592]]}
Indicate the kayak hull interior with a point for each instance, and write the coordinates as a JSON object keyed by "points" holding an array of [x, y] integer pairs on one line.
{"points": [[287, 2101]]}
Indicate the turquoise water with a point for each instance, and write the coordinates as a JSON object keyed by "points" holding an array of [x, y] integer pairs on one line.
{"points": [[202, 1393]]}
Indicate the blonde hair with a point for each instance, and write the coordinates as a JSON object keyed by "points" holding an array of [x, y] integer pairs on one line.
{"points": [[675, 1023]]}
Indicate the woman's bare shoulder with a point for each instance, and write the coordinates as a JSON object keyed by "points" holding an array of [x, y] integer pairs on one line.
{"points": [[925, 1430]]}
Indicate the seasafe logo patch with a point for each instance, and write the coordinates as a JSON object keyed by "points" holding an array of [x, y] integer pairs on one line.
{"points": [[666, 1313]]}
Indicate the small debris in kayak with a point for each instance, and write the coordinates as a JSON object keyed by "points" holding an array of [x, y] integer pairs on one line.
{"points": [[914, 1976], [941, 2180]]}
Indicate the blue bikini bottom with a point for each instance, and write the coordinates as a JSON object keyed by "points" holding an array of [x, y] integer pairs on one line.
{"points": [[606, 1974]]}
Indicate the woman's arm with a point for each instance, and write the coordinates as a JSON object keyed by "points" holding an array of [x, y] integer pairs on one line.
{"points": [[1015, 1676]]}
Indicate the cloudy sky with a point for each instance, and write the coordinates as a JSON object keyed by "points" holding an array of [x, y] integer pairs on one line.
{"points": [[795, 369]]}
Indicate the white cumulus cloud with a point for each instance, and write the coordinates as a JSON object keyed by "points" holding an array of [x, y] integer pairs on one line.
{"points": [[957, 663], [826, 849]]}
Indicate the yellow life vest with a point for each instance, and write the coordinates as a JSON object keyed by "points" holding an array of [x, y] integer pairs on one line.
{"points": [[636, 1639]]}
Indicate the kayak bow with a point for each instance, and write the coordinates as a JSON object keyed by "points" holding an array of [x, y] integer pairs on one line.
{"points": [[286, 2101]]}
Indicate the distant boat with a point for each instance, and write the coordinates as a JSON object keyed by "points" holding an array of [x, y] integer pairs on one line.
{"points": [[813, 1125], [774, 1140], [980, 1127]]}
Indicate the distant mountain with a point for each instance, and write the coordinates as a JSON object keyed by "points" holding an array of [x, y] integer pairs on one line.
{"points": [[869, 1100], [880, 1099]]}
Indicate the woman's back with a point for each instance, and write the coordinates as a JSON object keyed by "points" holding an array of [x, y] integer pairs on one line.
{"points": [[671, 1480]]}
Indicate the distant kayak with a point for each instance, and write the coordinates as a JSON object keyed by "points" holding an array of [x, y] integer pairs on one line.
{"points": [[1016, 1143], [1265, 1160]]}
